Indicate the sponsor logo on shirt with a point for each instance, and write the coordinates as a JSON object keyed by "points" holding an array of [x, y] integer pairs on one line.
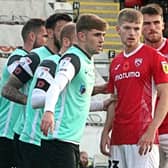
{"points": [[82, 89], [126, 75], [117, 66], [165, 67]]}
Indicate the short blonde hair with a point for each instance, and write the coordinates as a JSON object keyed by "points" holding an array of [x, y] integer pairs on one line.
{"points": [[130, 15]]}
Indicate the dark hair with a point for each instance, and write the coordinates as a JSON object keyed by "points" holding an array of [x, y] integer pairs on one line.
{"points": [[53, 19], [90, 21], [129, 15], [68, 31], [32, 25], [152, 9]]}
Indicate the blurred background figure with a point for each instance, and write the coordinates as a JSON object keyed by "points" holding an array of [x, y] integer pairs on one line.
{"points": [[84, 160]]}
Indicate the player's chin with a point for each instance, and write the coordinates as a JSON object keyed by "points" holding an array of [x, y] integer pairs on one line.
{"points": [[100, 49]]}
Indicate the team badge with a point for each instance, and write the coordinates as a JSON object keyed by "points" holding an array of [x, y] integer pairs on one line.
{"points": [[165, 67], [138, 61]]}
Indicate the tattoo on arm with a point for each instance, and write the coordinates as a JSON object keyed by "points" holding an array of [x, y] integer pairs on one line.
{"points": [[11, 90]]}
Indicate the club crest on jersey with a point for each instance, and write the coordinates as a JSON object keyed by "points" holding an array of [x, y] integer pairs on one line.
{"points": [[138, 61], [165, 67]]}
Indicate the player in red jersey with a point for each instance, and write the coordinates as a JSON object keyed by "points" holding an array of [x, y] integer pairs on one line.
{"points": [[136, 74], [153, 26]]}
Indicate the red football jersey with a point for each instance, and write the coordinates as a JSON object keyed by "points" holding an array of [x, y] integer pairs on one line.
{"points": [[133, 77], [163, 129]]}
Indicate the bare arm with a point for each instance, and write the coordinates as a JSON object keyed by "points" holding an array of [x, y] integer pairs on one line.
{"points": [[161, 110], [105, 139], [101, 105], [100, 89], [11, 90]]}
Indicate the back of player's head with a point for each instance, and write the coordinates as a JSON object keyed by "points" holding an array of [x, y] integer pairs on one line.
{"points": [[53, 19], [87, 22], [130, 15], [152, 9], [68, 31], [32, 25]]}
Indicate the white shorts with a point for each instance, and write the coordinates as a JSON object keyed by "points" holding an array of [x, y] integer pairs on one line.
{"points": [[163, 148], [163, 143], [127, 156]]}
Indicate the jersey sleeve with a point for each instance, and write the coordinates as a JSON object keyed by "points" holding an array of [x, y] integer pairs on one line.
{"points": [[26, 67], [69, 66], [110, 84], [45, 75], [13, 62], [160, 68]]}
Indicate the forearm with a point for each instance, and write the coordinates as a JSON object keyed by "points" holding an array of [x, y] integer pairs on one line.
{"points": [[100, 89], [14, 94], [161, 108], [102, 105], [96, 105], [54, 91], [38, 98], [109, 117]]}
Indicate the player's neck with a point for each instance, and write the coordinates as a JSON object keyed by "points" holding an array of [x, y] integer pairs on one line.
{"points": [[129, 49], [52, 46], [28, 47], [155, 45]]}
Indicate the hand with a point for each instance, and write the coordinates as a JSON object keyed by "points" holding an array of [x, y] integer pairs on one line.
{"points": [[146, 141], [106, 103], [47, 123], [105, 143]]}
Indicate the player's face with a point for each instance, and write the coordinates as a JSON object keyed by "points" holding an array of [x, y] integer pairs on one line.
{"points": [[152, 28], [84, 159], [94, 41], [130, 33], [41, 37], [57, 30]]}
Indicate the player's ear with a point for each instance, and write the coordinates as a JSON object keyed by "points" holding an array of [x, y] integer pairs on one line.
{"points": [[81, 36], [118, 29], [163, 26], [32, 36], [66, 42], [50, 33]]}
